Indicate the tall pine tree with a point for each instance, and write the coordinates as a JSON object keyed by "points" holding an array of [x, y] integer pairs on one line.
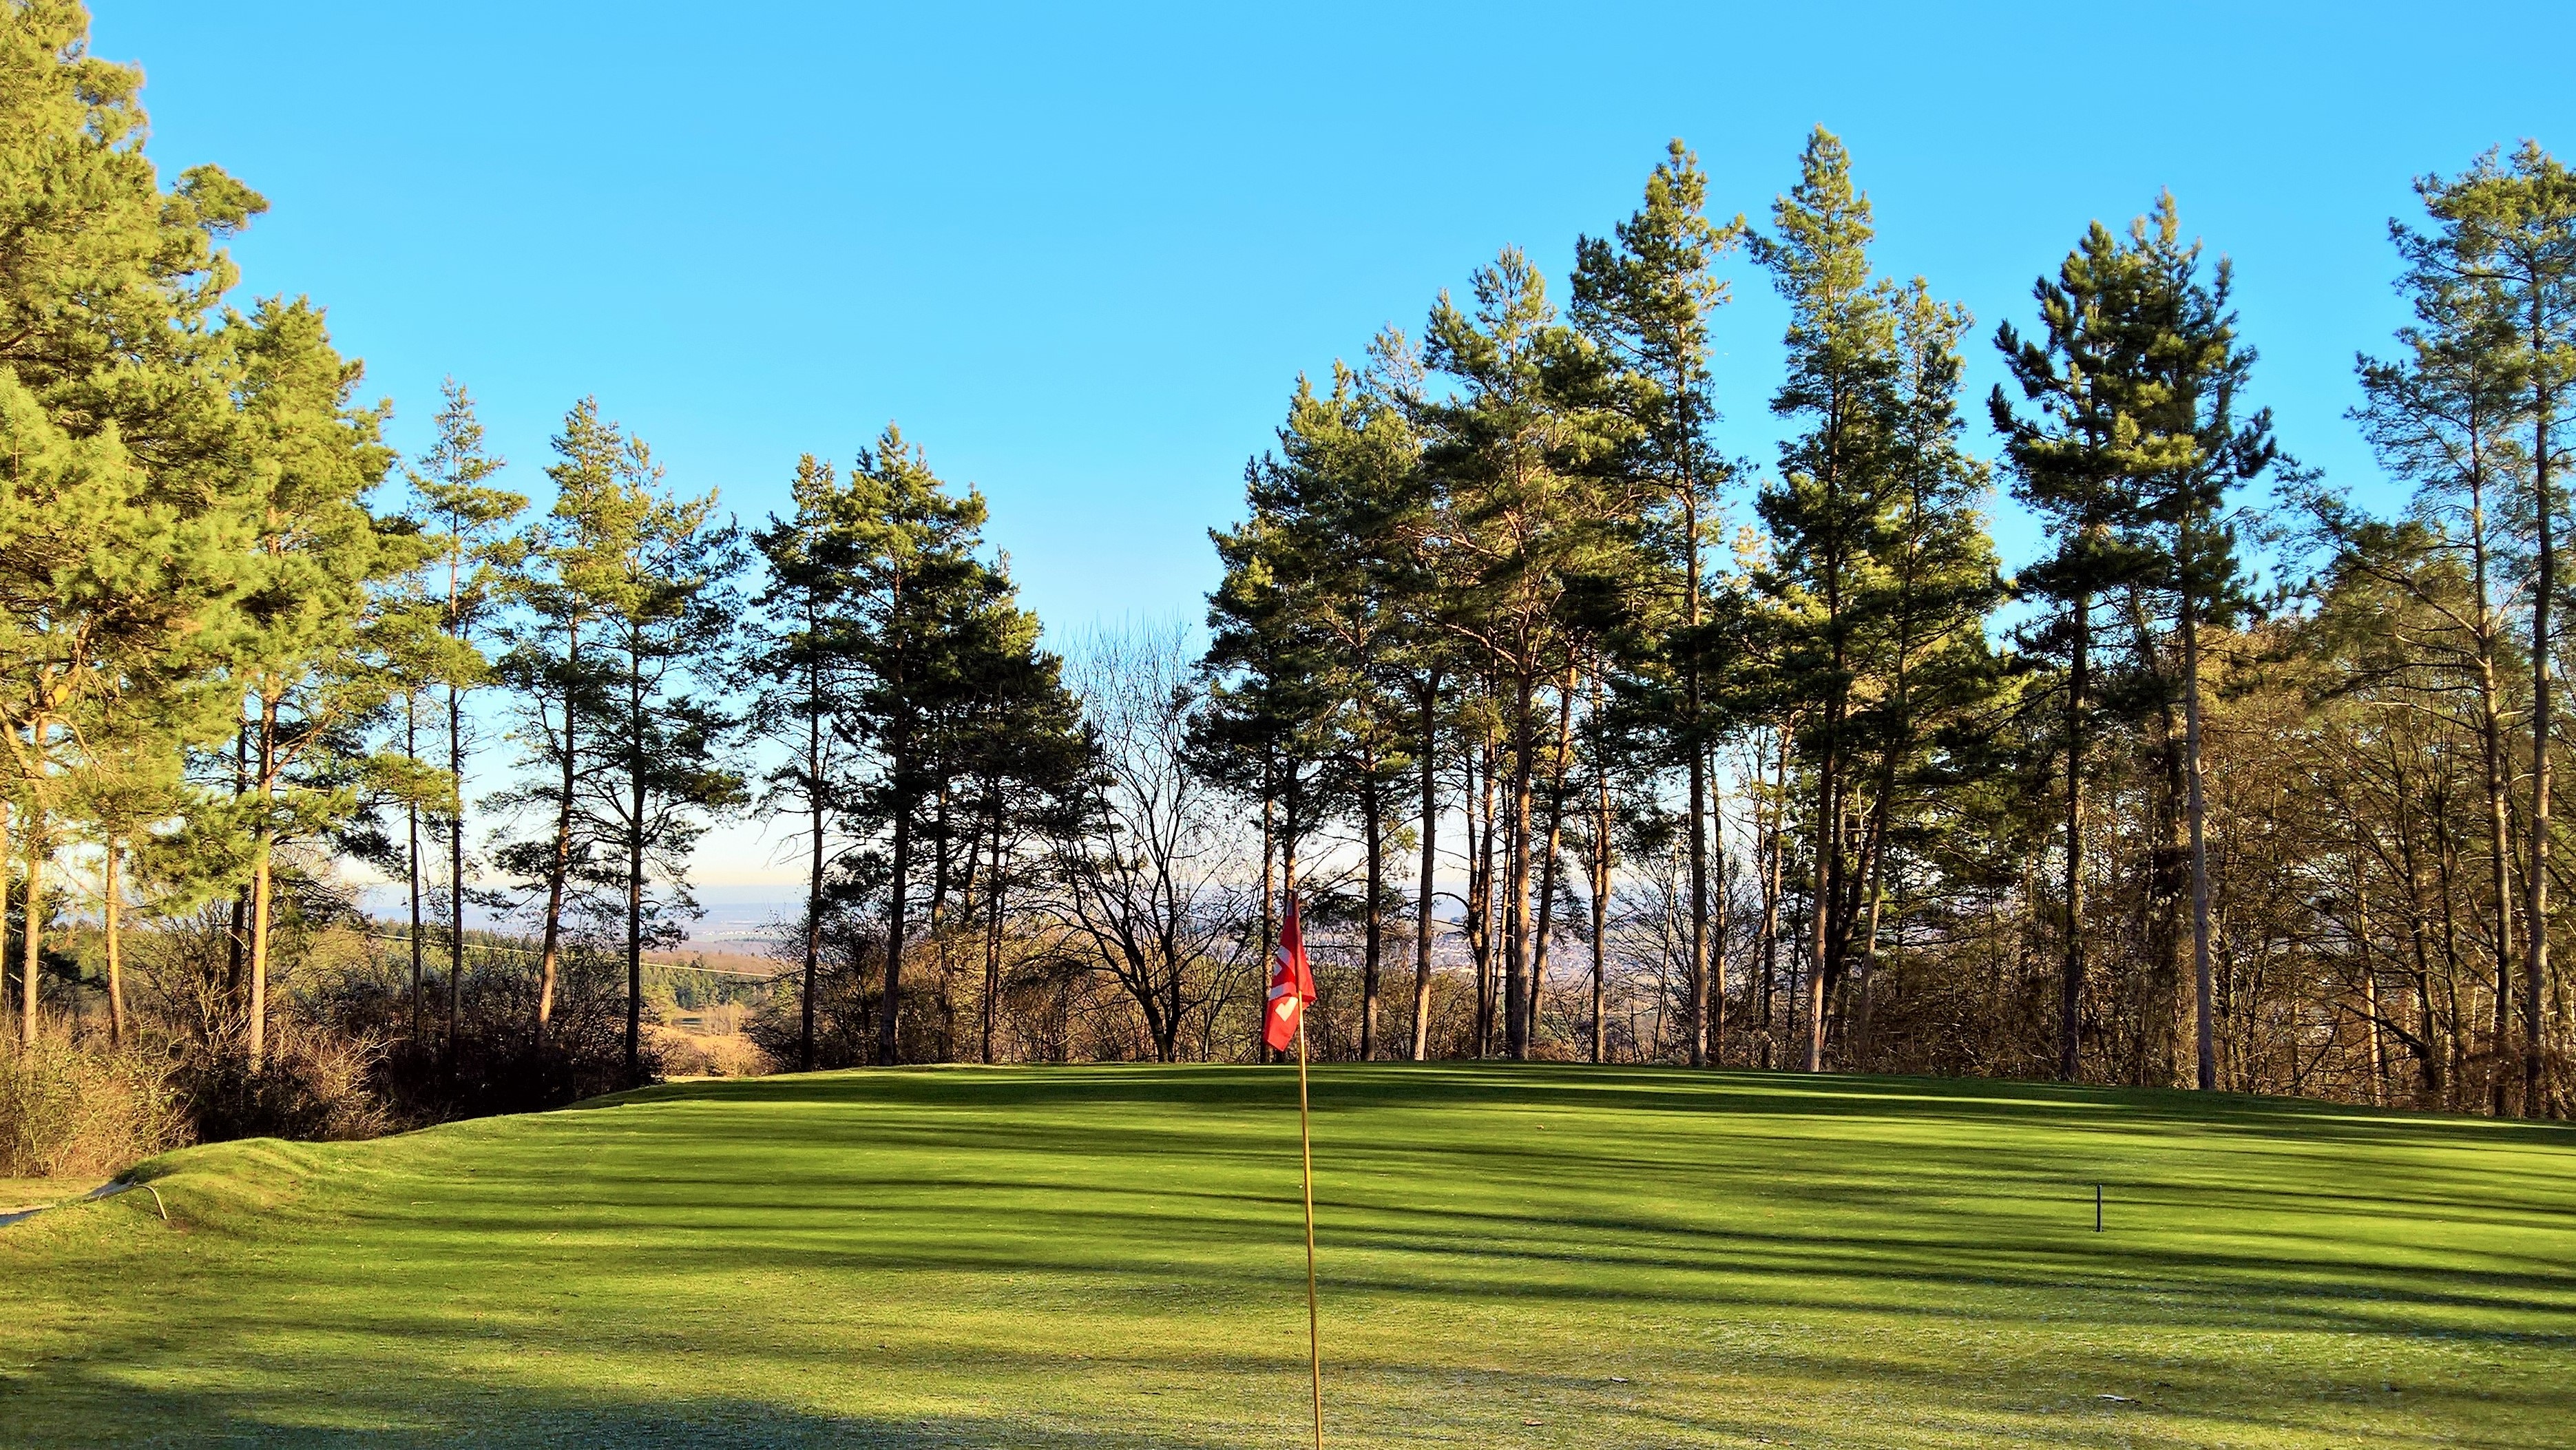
{"points": [[1646, 296]]}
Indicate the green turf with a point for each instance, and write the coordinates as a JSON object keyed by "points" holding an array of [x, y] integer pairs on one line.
{"points": [[1110, 1257]]}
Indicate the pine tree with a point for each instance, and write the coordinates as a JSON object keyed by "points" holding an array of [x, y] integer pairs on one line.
{"points": [[1410, 556], [1646, 299], [130, 786], [104, 590], [1522, 454], [2081, 375], [625, 613], [470, 524], [2442, 414], [110, 285], [405, 780], [2192, 450], [1326, 557], [309, 653], [916, 589], [2137, 446], [2508, 227], [1937, 681], [551, 669], [667, 627], [808, 670], [1262, 730], [1019, 742], [1830, 516], [115, 390]]}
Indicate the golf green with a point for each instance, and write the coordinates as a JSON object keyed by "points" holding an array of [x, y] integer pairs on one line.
{"points": [[1111, 1256]]}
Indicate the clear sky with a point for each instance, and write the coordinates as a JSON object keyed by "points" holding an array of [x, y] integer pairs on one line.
{"points": [[1082, 254]]}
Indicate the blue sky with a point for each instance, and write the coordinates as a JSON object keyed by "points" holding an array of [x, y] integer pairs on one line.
{"points": [[1082, 256]]}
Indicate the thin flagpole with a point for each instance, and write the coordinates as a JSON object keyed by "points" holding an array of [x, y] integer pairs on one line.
{"points": [[1306, 1148]]}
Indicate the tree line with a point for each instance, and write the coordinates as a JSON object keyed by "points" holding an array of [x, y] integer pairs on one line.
{"points": [[2235, 786], [1576, 736], [243, 641]]}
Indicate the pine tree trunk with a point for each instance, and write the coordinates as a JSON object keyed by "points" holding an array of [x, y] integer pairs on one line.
{"points": [[1699, 910], [263, 841], [1516, 875], [2500, 847], [237, 940], [456, 818], [634, 867], [2544, 587], [455, 872], [2169, 895], [1422, 914], [1874, 874], [1824, 974], [814, 856], [2492, 753], [549, 955], [899, 771], [993, 930], [1696, 804], [1717, 912], [1372, 820], [936, 936], [1548, 863], [2204, 1026], [109, 904], [2070, 989], [941, 852], [8, 1008], [411, 854], [1828, 849], [263, 847], [1774, 895], [31, 936], [1545, 927], [1482, 805], [1600, 877]]}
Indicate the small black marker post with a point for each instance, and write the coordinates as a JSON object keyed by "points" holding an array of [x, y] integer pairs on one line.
{"points": [[2097, 1208]]}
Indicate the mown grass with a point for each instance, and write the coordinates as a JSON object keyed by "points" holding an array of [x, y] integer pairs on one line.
{"points": [[1511, 1256]]}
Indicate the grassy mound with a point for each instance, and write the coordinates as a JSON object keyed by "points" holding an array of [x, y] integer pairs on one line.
{"points": [[1511, 1256]]}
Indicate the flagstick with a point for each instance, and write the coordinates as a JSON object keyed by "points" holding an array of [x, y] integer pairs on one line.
{"points": [[1306, 1147]]}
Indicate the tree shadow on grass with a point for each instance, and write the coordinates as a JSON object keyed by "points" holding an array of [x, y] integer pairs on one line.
{"points": [[1907, 1137], [416, 1417], [1433, 1086], [1594, 1192], [2267, 1192]]}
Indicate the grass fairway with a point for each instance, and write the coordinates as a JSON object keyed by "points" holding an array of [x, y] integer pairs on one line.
{"points": [[1511, 1256]]}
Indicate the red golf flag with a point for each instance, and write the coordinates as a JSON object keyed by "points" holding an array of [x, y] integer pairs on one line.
{"points": [[1291, 985]]}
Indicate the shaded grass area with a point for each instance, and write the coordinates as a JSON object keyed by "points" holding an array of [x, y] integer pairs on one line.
{"points": [[1111, 1256]]}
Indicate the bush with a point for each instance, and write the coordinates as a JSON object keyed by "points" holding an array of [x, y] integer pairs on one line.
{"points": [[695, 1054], [500, 1064], [350, 1056], [68, 1110], [314, 1087], [847, 990]]}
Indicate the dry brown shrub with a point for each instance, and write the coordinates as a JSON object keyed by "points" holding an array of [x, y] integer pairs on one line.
{"points": [[76, 1111], [700, 1054]]}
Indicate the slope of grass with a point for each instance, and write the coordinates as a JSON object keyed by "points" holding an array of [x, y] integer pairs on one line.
{"points": [[1532, 1256]]}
